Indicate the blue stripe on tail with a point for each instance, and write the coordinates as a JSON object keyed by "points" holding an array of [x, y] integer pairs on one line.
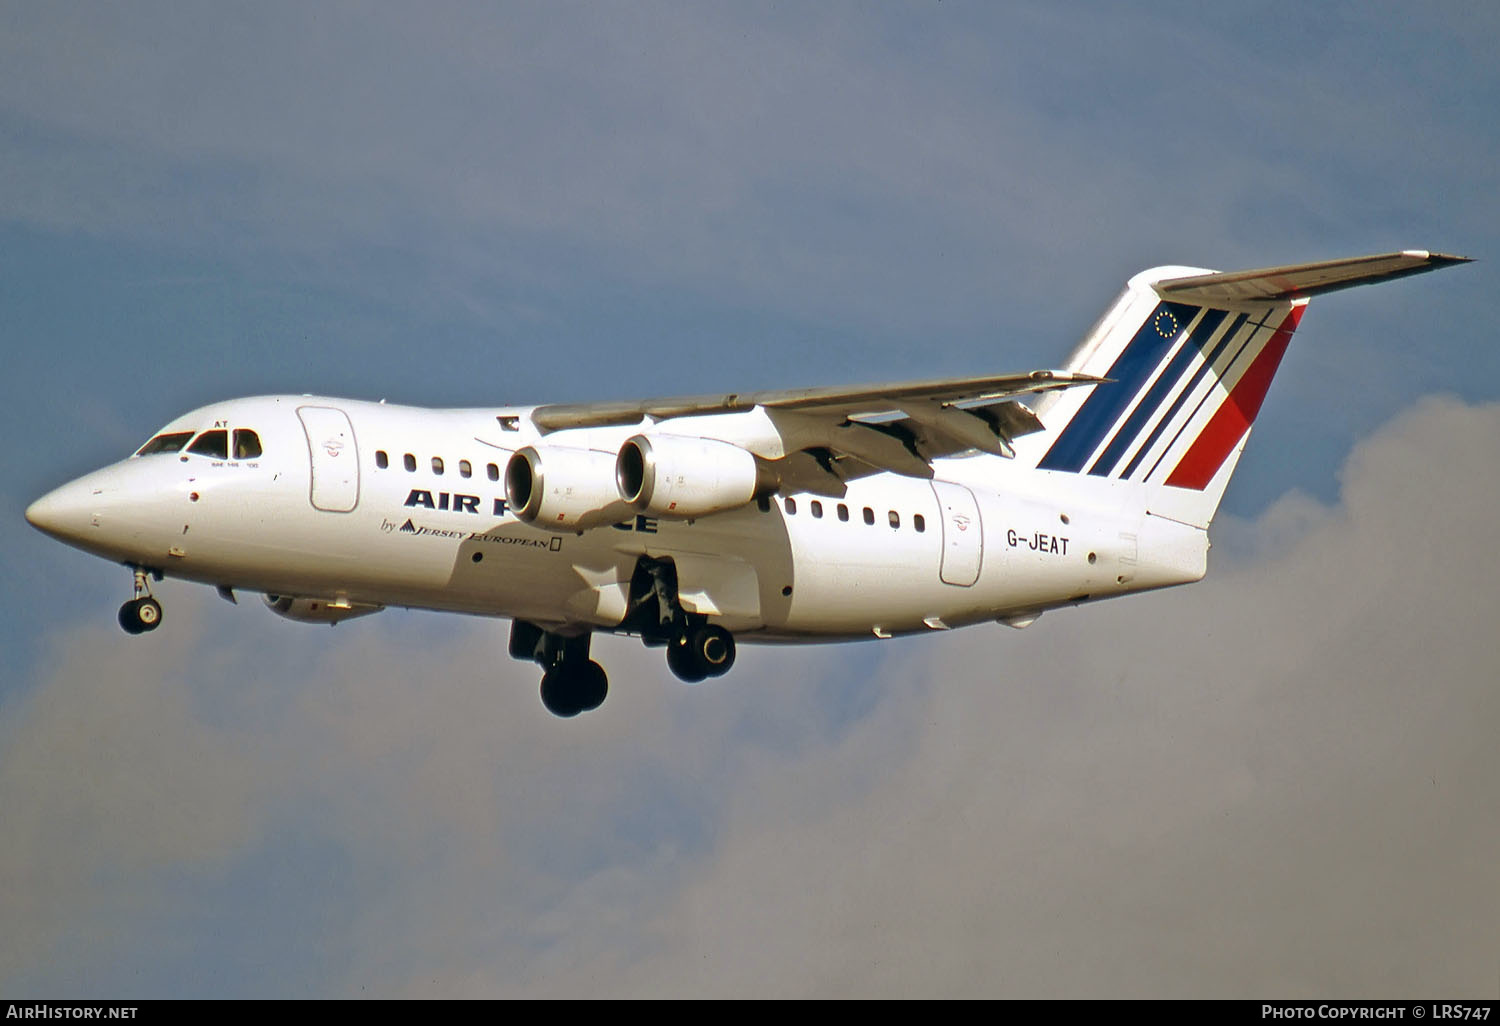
{"points": [[1170, 379], [1129, 374], [1203, 368]]}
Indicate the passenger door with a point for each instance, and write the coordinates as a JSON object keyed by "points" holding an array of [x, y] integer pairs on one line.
{"points": [[963, 533], [334, 457]]}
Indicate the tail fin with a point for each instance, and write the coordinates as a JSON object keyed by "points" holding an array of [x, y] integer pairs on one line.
{"points": [[1189, 355]]}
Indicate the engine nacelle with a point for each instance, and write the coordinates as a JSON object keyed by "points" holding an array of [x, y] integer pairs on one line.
{"points": [[564, 489], [318, 610], [673, 476]]}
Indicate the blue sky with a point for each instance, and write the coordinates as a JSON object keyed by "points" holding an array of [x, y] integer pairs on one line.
{"points": [[483, 203]]}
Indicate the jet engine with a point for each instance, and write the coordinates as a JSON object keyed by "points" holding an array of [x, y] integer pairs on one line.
{"points": [[318, 610], [673, 476], [564, 489]]}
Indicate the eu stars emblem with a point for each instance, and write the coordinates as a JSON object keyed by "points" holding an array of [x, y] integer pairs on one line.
{"points": [[1165, 323]]}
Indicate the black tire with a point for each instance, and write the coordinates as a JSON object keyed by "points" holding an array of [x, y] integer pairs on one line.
{"points": [[140, 615], [558, 695], [682, 662], [593, 685], [130, 623], [713, 649], [573, 688], [148, 613]]}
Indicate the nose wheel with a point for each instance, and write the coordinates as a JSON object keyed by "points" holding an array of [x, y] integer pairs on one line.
{"points": [[142, 613]]}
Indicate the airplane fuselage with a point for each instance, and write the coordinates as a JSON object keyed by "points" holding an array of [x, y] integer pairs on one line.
{"points": [[342, 518]]}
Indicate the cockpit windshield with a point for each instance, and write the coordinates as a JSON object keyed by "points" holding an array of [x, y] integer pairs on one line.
{"points": [[246, 444], [170, 442], [214, 444]]}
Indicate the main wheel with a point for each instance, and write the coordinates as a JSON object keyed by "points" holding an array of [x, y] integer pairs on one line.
{"points": [[682, 662], [593, 685], [713, 648], [558, 696], [572, 688]]}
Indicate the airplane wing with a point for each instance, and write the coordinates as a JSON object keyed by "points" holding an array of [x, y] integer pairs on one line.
{"points": [[832, 435]]}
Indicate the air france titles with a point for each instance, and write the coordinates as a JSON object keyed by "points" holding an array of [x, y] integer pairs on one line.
{"points": [[454, 502], [457, 502]]}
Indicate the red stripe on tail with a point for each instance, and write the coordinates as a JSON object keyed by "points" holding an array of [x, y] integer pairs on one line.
{"points": [[1233, 419]]}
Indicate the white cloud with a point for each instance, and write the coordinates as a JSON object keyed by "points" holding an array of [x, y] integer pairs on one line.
{"points": [[107, 778], [1277, 781]]}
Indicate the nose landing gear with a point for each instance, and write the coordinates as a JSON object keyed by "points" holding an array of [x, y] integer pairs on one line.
{"points": [[142, 613]]}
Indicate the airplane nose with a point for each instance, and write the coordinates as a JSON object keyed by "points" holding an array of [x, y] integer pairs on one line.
{"points": [[64, 512]]}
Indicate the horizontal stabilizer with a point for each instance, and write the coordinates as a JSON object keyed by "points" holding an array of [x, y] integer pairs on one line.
{"points": [[1298, 281]]}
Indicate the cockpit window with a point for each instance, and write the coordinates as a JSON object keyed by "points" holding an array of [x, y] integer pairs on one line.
{"points": [[246, 444], [212, 443], [165, 443]]}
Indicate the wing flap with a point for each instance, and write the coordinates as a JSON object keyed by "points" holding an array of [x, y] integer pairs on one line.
{"points": [[843, 402], [832, 435]]}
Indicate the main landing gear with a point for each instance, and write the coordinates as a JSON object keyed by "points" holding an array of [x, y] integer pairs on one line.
{"points": [[142, 613], [694, 654], [573, 683], [696, 649]]}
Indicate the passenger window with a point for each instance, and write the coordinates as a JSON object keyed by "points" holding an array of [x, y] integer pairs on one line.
{"points": [[437, 464], [843, 513], [409, 462], [895, 519], [214, 444], [465, 469], [791, 505], [381, 460], [817, 509], [246, 444], [165, 443], [919, 522], [869, 516], [492, 472]]}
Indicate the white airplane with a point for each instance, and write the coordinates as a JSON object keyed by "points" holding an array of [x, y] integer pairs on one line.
{"points": [[818, 515]]}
